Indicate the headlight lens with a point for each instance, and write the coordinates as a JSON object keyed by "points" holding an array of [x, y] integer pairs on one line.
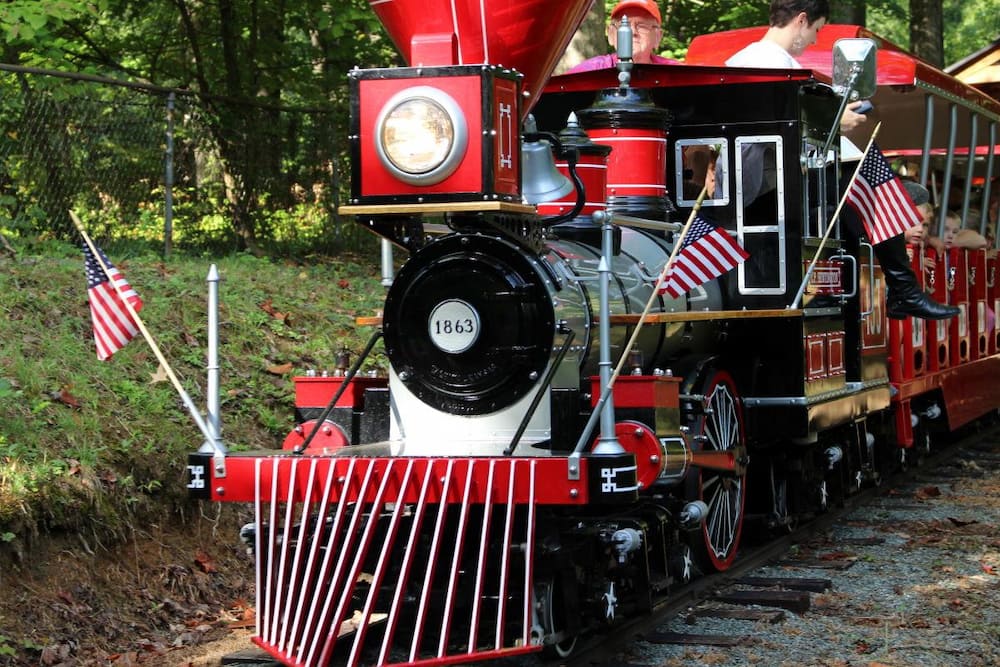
{"points": [[421, 135], [417, 135]]}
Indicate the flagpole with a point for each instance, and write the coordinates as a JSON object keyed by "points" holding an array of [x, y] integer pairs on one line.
{"points": [[606, 389], [210, 439], [833, 220], [659, 281]]}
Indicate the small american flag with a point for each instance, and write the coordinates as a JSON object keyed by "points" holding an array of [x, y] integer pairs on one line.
{"points": [[114, 325], [880, 199], [706, 252]]}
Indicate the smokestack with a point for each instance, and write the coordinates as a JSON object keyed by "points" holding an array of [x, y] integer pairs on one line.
{"points": [[527, 35]]}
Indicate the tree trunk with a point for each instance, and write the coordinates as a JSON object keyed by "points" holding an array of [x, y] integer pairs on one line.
{"points": [[851, 12], [927, 31], [591, 39]]}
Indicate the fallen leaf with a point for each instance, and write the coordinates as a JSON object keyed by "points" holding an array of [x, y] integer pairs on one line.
{"points": [[928, 492], [55, 654], [269, 308], [280, 369], [960, 522], [124, 659], [205, 562], [63, 396], [159, 376]]}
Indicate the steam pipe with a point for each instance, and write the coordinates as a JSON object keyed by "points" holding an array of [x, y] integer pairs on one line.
{"points": [[571, 154]]}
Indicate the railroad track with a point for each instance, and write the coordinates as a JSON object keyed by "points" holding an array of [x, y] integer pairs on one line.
{"points": [[743, 593]]}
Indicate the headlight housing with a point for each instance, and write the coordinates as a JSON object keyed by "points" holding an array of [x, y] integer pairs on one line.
{"points": [[421, 135]]}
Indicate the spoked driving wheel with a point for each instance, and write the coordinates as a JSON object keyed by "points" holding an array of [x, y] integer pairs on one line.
{"points": [[717, 425]]}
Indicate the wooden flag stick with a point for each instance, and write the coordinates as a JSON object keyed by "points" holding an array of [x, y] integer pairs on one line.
{"points": [[656, 288], [210, 438], [833, 220]]}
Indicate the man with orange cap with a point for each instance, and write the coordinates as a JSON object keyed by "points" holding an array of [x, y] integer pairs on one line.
{"points": [[644, 17]]}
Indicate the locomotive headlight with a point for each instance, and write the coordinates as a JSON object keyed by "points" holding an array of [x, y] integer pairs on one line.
{"points": [[421, 135]]}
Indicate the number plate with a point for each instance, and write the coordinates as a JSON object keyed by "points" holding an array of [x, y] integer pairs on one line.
{"points": [[453, 326]]}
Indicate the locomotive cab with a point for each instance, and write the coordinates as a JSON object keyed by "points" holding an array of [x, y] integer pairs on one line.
{"points": [[807, 347]]}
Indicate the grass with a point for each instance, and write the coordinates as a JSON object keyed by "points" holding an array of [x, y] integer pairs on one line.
{"points": [[93, 446]]}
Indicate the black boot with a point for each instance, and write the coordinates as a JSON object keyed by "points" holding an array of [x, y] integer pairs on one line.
{"points": [[903, 294]]}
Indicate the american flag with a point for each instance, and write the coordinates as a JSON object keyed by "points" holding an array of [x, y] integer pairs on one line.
{"points": [[706, 252], [880, 199], [114, 325]]}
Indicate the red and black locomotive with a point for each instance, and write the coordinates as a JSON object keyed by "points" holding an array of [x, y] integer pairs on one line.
{"points": [[555, 445]]}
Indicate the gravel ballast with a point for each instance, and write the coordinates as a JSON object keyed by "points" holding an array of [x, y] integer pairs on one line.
{"points": [[926, 594]]}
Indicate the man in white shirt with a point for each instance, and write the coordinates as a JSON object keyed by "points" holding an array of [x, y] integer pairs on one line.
{"points": [[793, 26]]}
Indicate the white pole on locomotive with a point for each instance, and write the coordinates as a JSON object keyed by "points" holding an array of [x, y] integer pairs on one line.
{"points": [[387, 268], [212, 445], [608, 442], [212, 398]]}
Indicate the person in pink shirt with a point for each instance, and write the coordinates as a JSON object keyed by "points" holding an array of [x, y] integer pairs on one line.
{"points": [[644, 17]]}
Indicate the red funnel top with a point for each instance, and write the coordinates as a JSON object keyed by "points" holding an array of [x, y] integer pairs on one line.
{"points": [[526, 35]]}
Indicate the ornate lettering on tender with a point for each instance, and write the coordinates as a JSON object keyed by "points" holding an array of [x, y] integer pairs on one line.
{"points": [[826, 278], [505, 154], [196, 477], [873, 332], [610, 477]]}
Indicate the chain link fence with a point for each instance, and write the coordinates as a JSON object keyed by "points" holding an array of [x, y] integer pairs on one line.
{"points": [[145, 162]]}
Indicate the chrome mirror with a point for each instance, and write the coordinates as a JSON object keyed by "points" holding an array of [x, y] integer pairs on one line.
{"points": [[854, 67]]}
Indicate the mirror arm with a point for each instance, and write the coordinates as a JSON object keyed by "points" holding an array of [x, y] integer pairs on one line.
{"points": [[848, 89]]}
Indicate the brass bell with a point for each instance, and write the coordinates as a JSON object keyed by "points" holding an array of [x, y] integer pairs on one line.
{"points": [[540, 180]]}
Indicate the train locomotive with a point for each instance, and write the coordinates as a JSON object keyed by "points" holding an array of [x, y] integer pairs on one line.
{"points": [[556, 445]]}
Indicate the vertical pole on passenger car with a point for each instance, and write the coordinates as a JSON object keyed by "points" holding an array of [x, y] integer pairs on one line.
{"points": [[970, 166], [926, 177], [988, 185]]}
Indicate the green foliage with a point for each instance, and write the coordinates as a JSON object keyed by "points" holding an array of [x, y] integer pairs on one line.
{"points": [[34, 21], [102, 445], [969, 26]]}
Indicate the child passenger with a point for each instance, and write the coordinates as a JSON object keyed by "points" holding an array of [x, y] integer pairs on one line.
{"points": [[955, 236]]}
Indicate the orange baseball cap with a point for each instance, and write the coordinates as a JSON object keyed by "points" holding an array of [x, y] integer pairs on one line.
{"points": [[648, 6]]}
